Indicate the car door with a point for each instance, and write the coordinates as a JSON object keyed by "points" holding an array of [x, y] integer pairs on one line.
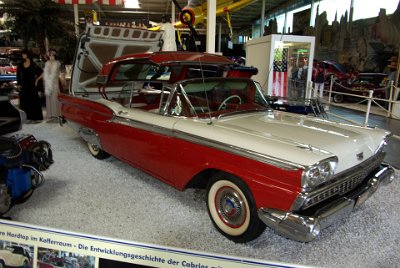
{"points": [[145, 139]]}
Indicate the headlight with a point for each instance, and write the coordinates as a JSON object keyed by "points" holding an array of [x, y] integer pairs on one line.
{"points": [[319, 173]]}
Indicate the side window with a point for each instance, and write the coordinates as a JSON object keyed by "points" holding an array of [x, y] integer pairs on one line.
{"points": [[174, 105], [18, 250], [204, 71], [161, 73], [130, 71]]}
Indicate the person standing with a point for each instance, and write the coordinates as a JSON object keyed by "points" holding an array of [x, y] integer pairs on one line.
{"points": [[29, 101], [168, 36], [51, 78], [319, 81], [391, 92]]}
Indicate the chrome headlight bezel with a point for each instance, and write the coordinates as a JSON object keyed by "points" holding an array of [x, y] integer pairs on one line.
{"points": [[319, 173], [382, 145]]}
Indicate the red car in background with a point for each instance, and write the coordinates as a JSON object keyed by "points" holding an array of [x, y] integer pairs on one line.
{"points": [[338, 70], [6, 66], [360, 85]]}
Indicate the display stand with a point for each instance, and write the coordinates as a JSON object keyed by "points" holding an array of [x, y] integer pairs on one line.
{"points": [[285, 64]]}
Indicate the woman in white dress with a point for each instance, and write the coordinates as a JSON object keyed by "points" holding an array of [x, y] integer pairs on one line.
{"points": [[50, 76], [168, 36]]}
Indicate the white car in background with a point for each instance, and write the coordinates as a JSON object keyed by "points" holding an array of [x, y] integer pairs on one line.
{"points": [[14, 256]]}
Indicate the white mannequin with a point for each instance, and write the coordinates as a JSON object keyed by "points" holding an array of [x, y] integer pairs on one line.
{"points": [[168, 36]]}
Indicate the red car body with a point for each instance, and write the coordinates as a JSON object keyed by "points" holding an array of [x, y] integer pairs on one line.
{"points": [[334, 68], [179, 170]]}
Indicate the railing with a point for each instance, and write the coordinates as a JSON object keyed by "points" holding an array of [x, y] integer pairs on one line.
{"points": [[393, 92]]}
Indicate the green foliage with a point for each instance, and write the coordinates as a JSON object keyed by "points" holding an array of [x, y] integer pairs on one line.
{"points": [[37, 19]]}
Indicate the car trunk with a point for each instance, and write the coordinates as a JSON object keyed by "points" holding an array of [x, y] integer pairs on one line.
{"points": [[102, 44]]}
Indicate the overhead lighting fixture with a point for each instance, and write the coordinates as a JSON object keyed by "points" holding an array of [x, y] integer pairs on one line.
{"points": [[131, 4]]}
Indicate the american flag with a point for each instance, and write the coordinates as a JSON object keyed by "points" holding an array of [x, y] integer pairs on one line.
{"points": [[280, 77]]}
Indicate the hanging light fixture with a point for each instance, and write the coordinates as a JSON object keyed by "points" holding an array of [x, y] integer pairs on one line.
{"points": [[131, 4]]}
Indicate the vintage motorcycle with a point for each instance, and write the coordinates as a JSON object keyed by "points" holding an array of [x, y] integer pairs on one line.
{"points": [[22, 158]]}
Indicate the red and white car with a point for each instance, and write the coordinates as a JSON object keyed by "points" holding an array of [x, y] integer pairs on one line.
{"points": [[293, 173]]}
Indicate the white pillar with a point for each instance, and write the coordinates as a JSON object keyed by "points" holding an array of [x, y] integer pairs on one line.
{"points": [[211, 22], [219, 37], [262, 18], [172, 12], [285, 23], [312, 19], [76, 20]]}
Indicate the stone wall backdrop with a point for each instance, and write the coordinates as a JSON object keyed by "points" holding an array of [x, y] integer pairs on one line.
{"points": [[363, 45]]}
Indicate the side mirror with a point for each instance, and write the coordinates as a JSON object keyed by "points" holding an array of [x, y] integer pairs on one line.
{"points": [[101, 80]]}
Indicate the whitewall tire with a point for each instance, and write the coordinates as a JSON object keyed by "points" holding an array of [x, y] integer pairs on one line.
{"points": [[97, 152], [231, 208]]}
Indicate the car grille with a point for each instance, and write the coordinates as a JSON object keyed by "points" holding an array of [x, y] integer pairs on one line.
{"points": [[344, 183]]}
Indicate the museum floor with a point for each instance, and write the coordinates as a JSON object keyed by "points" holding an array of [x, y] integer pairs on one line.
{"points": [[111, 199]]}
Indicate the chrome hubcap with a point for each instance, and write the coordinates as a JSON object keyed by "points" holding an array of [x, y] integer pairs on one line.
{"points": [[230, 207], [94, 148]]}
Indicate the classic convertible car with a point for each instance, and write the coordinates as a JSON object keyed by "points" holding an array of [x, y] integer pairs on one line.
{"points": [[294, 173], [15, 256]]}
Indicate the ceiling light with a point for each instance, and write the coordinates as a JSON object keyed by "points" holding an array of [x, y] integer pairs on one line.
{"points": [[131, 4]]}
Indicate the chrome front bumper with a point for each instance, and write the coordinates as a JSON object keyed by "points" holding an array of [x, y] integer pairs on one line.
{"points": [[306, 228]]}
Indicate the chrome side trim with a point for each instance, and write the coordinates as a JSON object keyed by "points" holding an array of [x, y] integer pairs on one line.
{"points": [[280, 163], [306, 228], [143, 126]]}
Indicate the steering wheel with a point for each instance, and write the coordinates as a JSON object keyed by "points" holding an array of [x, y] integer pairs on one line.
{"points": [[223, 104]]}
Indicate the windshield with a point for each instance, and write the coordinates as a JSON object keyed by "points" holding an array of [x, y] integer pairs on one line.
{"points": [[215, 97]]}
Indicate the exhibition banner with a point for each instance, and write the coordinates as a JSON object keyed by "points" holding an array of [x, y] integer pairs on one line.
{"points": [[41, 247]]}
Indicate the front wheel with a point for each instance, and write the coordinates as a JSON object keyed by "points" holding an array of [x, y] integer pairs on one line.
{"points": [[97, 152], [232, 209]]}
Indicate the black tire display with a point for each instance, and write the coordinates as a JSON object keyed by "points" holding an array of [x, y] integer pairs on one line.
{"points": [[97, 152], [232, 209]]}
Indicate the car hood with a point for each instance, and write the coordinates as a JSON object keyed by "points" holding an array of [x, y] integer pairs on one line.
{"points": [[291, 138]]}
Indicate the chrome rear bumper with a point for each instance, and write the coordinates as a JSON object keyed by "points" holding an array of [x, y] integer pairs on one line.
{"points": [[306, 228]]}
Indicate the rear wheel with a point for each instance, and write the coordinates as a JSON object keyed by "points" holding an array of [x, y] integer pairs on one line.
{"points": [[338, 98], [2, 264], [232, 209], [97, 152]]}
